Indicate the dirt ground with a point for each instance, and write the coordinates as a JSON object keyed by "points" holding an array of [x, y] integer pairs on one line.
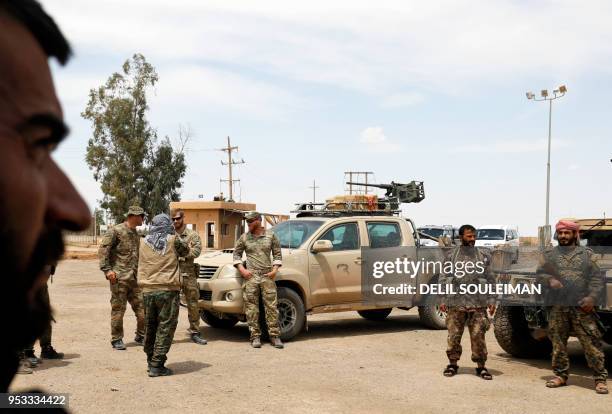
{"points": [[342, 364]]}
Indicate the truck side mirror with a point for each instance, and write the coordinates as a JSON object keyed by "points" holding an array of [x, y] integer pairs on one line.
{"points": [[321, 246]]}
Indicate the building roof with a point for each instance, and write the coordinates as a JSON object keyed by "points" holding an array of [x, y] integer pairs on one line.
{"points": [[212, 205]]}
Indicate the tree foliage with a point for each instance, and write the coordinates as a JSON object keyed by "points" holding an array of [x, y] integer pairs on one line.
{"points": [[124, 153]]}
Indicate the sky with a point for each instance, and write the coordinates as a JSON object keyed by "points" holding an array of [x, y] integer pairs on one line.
{"points": [[410, 90]]}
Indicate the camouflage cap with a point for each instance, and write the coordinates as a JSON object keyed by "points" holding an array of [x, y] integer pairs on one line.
{"points": [[135, 211], [252, 215]]}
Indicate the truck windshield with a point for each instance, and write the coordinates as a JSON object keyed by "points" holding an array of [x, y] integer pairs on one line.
{"points": [[597, 237], [490, 234], [293, 233], [432, 232]]}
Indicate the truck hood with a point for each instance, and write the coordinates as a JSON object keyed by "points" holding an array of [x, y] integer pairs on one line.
{"points": [[489, 243]]}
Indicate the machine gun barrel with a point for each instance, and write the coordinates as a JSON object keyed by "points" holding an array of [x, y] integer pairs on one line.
{"points": [[385, 186]]}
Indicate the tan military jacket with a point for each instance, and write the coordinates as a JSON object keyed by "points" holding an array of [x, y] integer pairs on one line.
{"points": [[258, 251], [119, 251]]}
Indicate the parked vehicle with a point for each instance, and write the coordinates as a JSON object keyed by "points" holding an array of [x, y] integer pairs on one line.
{"points": [[495, 236]]}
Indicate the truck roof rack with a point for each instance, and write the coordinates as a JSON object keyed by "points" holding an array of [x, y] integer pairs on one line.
{"points": [[344, 209], [366, 204]]}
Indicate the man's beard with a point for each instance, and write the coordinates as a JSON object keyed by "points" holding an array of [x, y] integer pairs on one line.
{"points": [[568, 242], [25, 318]]}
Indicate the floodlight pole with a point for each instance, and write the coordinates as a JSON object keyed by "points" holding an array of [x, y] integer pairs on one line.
{"points": [[548, 162], [557, 93]]}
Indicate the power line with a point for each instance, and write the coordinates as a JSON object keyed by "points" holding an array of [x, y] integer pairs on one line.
{"points": [[230, 163]]}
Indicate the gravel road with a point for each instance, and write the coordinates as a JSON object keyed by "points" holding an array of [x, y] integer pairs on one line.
{"points": [[342, 364]]}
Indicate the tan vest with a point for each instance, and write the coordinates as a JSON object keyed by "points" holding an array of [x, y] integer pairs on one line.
{"points": [[158, 272]]}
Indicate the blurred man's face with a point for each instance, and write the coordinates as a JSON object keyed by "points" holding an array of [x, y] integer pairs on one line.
{"points": [[135, 221], [253, 224], [468, 238], [178, 221], [566, 237], [37, 201]]}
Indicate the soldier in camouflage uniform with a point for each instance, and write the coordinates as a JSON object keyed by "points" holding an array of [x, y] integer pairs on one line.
{"points": [[118, 255], [466, 309], [259, 274], [159, 277], [573, 275], [189, 284]]}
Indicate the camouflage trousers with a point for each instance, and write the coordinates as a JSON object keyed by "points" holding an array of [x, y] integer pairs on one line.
{"points": [[122, 292], [161, 317], [45, 337], [192, 295], [477, 323], [260, 285], [564, 320]]}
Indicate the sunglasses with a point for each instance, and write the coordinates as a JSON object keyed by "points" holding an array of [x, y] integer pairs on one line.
{"points": [[177, 218], [251, 221]]}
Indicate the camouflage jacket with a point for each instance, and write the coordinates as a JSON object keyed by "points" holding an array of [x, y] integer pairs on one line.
{"points": [[258, 251], [577, 270], [477, 272], [193, 241], [119, 251]]}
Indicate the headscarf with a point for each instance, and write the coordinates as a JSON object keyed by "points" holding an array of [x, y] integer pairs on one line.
{"points": [[161, 228], [567, 225]]}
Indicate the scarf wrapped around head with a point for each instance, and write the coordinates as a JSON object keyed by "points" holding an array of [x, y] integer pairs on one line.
{"points": [[161, 228], [567, 225]]}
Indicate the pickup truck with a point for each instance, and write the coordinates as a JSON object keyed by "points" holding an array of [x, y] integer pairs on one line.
{"points": [[321, 272]]}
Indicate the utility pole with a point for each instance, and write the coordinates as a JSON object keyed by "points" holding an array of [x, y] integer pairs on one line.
{"points": [[314, 191], [350, 174], [230, 162]]}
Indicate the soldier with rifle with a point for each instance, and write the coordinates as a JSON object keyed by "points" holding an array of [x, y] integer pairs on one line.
{"points": [[574, 279]]}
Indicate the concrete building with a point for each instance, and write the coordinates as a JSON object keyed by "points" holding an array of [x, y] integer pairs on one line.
{"points": [[220, 223]]}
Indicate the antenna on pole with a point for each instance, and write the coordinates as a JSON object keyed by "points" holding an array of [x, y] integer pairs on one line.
{"points": [[314, 191], [357, 174], [230, 163]]}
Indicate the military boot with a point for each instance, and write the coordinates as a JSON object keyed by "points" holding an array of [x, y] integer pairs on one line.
{"points": [[276, 342], [198, 339], [48, 352], [256, 342], [24, 367], [118, 345], [161, 371], [139, 339], [32, 358]]}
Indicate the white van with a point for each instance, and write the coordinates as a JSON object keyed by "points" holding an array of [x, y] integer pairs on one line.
{"points": [[496, 235]]}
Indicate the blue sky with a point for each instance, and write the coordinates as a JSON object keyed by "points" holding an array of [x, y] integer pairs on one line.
{"points": [[431, 91]]}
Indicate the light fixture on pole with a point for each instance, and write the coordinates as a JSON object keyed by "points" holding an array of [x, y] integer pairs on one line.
{"points": [[556, 94]]}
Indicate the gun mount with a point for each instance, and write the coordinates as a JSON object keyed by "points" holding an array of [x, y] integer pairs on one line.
{"points": [[396, 193]]}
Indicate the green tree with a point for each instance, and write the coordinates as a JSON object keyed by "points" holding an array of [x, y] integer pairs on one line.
{"points": [[124, 154]]}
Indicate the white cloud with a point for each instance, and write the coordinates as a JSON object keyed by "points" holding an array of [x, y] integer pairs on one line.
{"points": [[373, 135], [195, 87], [443, 45], [376, 141]]}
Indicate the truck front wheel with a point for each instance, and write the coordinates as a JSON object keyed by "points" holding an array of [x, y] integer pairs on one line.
{"points": [[291, 314], [516, 337], [432, 317]]}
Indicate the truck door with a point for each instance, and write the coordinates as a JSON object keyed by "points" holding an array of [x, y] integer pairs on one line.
{"points": [[335, 276]]}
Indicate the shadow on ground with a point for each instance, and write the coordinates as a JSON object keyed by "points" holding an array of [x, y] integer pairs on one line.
{"points": [[321, 329], [187, 367], [580, 373]]}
